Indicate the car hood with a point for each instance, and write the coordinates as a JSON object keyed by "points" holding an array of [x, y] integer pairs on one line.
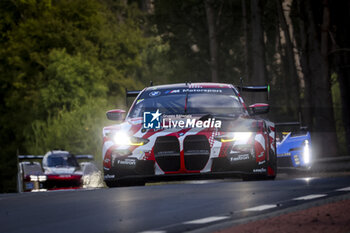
{"points": [[229, 124]]}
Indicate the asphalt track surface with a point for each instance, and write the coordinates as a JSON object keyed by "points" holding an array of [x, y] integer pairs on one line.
{"points": [[168, 207]]}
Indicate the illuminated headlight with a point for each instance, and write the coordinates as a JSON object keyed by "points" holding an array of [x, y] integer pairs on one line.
{"points": [[37, 178], [123, 139], [34, 178], [241, 137], [306, 155]]}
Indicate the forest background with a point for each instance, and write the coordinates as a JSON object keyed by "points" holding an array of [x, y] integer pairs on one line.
{"points": [[64, 63]]}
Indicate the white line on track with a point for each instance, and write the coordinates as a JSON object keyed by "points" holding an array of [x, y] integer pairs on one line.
{"points": [[344, 189], [200, 181], [207, 220], [260, 208], [153, 232], [309, 197]]}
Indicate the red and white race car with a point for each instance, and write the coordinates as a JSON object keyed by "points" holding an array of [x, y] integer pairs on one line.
{"points": [[189, 130], [58, 169]]}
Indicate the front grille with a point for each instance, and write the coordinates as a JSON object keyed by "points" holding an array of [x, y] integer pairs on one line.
{"points": [[284, 162], [196, 152], [167, 153]]}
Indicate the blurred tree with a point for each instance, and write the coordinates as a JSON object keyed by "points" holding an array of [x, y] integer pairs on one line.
{"points": [[55, 57], [291, 76], [259, 76], [213, 44], [340, 58], [314, 61], [247, 73], [71, 80], [258, 46], [77, 130], [184, 26]]}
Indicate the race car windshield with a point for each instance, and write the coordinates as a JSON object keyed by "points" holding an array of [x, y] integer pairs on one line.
{"points": [[197, 103], [62, 160]]}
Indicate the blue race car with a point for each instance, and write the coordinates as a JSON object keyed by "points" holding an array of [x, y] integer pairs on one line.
{"points": [[293, 148]]}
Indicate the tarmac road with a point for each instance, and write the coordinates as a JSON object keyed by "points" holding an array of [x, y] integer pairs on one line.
{"points": [[169, 207]]}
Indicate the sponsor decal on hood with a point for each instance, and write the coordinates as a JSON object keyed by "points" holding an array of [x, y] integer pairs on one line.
{"points": [[155, 120]]}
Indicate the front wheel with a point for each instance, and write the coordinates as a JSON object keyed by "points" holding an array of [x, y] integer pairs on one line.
{"points": [[271, 166], [271, 170]]}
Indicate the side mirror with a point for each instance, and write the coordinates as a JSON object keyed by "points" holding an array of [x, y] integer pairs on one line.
{"points": [[115, 115], [257, 109]]}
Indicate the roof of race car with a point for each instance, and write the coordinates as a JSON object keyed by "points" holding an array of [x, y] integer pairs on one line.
{"points": [[190, 85], [53, 152]]}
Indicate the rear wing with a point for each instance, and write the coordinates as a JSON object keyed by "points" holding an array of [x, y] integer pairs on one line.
{"points": [[255, 89], [266, 88], [133, 94], [87, 157], [293, 123], [30, 157], [285, 128]]}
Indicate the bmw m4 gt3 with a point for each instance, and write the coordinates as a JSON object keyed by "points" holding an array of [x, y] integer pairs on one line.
{"points": [[189, 130]]}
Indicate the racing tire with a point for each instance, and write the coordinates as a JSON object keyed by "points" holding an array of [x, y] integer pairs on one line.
{"points": [[271, 164]]}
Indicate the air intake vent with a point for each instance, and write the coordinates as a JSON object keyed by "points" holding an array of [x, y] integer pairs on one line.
{"points": [[196, 152], [167, 153]]}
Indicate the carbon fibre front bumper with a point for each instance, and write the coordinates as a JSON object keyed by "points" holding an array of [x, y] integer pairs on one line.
{"points": [[131, 168]]}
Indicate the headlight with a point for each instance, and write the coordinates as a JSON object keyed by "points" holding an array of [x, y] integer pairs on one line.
{"points": [[123, 139], [42, 178], [38, 178], [34, 178], [306, 154], [237, 136]]}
